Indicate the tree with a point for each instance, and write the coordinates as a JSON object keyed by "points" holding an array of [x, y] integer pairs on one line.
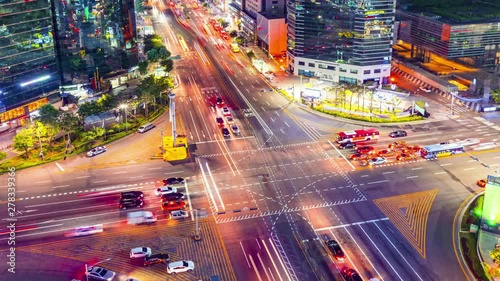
{"points": [[495, 95], [24, 140], [251, 55], [88, 109], [48, 114], [107, 102], [240, 40], [3, 155], [143, 67], [152, 42], [69, 123], [233, 33], [167, 64], [495, 255]]}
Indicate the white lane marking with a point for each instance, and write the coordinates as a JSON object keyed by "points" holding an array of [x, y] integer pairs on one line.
{"points": [[21, 191], [348, 162], [380, 252], [255, 268], [445, 164], [42, 181], [177, 172], [282, 131], [272, 260], [59, 186], [439, 173], [349, 224], [264, 266], [101, 181], [245, 254], [389, 172], [136, 177], [467, 169], [418, 168], [82, 177], [155, 168], [189, 199], [194, 124], [287, 125], [364, 176], [413, 269], [268, 103], [60, 167], [67, 210], [120, 172], [411, 177], [280, 259], [375, 182]]}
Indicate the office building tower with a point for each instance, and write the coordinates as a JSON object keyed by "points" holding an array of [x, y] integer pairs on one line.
{"points": [[28, 68], [341, 40]]}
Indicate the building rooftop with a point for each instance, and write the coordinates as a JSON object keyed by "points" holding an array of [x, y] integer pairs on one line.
{"points": [[455, 11]]}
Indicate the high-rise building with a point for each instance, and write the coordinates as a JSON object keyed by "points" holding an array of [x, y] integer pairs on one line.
{"points": [[28, 67], [341, 40], [94, 35]]}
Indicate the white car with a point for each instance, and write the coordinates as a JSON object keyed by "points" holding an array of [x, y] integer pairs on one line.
{"points": [[181, 214], [235, 129], [84, 230], [180, 266], [96, 150], [225, 111], [377, 161], [100, 273], [424, 89], [140, 252], [230, 120], [165, 190]]}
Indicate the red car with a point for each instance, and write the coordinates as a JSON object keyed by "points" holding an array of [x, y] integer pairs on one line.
{"points": [[173, 205], [481, 183], [386, 153], [397, 145], [220, 122], [365, 149]]}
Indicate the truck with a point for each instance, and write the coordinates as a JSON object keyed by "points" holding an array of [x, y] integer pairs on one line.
{"points": [[141, 217]]}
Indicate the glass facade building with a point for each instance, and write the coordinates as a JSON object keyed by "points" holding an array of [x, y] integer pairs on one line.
{"points": [[94, 34], [340, 34], [28, 67], [474, 44]]}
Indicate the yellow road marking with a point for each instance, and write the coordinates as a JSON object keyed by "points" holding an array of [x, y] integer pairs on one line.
{"points": [[409, 213]]}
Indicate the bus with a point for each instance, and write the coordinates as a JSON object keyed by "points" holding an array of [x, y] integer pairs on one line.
{"points": [[358, 136], [235, 48], [441, 150]]}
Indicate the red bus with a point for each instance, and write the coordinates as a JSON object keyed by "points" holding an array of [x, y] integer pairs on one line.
{"points": [[358, 136]]}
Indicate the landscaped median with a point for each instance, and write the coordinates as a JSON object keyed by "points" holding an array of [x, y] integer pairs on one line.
{"points": [[59, 151], [468, 238]]}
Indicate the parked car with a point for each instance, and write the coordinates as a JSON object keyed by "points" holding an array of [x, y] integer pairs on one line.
{"points": [[155, 259], [398, 134], [181, 214], [140, 252], [230, 120], [377, 161], [235, 129], [406, 156], [225, 111], [84, 230], [219, 102], [96, 151], [335, 249], [225, 132], [173, 205], [347, 145], [100, 273], [365, 149], [172, 197], [165, 190], [180, 266], [397, 145], [481, 183], [386, 153], [172, 181]]}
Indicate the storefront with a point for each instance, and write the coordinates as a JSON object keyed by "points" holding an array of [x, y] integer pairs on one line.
{"points": [[18, 116]]}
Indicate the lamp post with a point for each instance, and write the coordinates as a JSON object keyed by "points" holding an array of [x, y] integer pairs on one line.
{"points": [[87, 267], [124, 107], [40, 143]]}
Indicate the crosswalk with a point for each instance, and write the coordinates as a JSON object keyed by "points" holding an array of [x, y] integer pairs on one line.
{"points": [[171, 237]]}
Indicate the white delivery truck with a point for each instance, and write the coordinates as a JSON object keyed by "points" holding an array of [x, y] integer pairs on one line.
{"points": [[141, 217]]}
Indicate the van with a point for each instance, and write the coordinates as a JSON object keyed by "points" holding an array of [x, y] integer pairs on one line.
{"points": [[175, 215], [141, 217], [146, 127]]}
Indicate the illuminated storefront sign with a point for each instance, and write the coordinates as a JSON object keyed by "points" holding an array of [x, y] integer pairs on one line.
{"points": [[22, 111]]}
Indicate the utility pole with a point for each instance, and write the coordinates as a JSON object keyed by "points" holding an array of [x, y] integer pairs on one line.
{"points": [[171, 97]]}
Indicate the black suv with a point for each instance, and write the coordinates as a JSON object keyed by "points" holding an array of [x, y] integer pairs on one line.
{"points": [[157, 258], [225, 133], [334, 247], [131, 203], [172, 197], [171, 181], [347, 145], [132, 195]]}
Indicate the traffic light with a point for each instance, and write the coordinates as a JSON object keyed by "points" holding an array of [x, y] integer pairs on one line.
{"points": [[82, 54]]}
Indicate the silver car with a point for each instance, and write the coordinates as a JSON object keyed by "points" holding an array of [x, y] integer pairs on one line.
{"points": [[100, 273]]}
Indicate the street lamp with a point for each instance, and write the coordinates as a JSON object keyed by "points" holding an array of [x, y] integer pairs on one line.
{"points": [[124, 107], [40, 142], [87, 267]]}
